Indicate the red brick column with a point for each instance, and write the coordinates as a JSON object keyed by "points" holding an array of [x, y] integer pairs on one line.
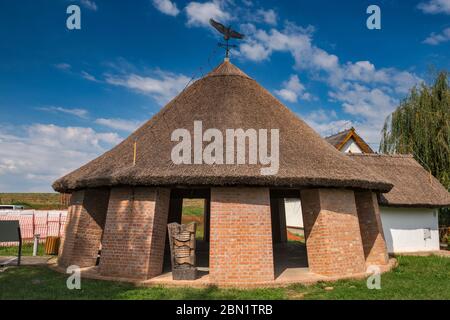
{"points": [[135, 231], [333, 238], [240, 236], [84, 229], [374, 245], [70, 229]]}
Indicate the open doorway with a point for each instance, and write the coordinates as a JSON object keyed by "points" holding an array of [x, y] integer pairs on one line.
{"points": [[294, 220], [187, 206], [193, 210], [289, 247]]}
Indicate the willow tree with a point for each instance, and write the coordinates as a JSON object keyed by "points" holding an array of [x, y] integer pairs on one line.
{"points": [[421, 126]]}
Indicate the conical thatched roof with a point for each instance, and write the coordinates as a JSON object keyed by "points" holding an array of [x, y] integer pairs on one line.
{"points": [[224, 99], [413, 185]]}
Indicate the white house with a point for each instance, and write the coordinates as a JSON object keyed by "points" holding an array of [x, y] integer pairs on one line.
{"points": [[409, 212]]}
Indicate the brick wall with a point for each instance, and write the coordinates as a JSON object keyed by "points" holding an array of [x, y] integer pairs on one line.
{"points": [[240, 236], [84, 228], [135, 231], [374, 245], [333, 238], [68, 240]]}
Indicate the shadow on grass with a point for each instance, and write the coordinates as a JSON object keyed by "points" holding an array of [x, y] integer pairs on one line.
{"points": [[43, 283]]}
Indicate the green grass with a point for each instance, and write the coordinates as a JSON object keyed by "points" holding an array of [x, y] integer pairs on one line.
{"points": [[415, 278], [193, 211], [27, 250], [43, 283], [38, 201]]}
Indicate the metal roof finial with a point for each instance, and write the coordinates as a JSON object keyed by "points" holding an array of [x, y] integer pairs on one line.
{"points": [[228, 34]]}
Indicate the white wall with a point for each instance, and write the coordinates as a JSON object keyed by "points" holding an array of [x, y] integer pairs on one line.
{"points": [[351, 146], [410, 229], [294, 217]]}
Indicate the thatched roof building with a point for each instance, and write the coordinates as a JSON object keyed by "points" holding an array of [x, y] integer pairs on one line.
{"points": [[123, 201], [339, 140], [413, 185], [225, 98]]}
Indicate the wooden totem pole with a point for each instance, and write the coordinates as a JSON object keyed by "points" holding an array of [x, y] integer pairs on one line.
{"points": [[182, 250]]}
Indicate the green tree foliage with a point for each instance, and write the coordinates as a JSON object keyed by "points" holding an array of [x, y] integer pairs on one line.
{"points": [[421, 126]]}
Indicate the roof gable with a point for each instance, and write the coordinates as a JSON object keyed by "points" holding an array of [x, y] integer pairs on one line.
{"points": [[413, 185], [340, 139]]}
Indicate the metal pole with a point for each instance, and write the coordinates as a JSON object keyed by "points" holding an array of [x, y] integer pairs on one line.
{"points": [[33, 224], [59, 225], [35, 244], [46, 233]]}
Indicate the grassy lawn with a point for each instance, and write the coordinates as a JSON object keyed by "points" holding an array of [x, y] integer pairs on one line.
{"points": [[27, 250], [38, 201], [415, 278], [193, 212]]}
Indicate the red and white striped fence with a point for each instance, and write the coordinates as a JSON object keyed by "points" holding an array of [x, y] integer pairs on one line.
{"points": [[32, 222]]}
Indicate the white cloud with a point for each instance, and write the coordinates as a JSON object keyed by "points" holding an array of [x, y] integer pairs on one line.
{"points": [[293, 90], [33, 159], [437, 38], [81, 113], [368, 103], [119, 124], [403, 81], [89, 76], [321, 115], [162, 87], [167, 7], [364, 91], [328, 128], [268, 16], [254, 51], [326, 123], [89, 4], [435, 6], [199, 13], [298, 42], [63, 66]]}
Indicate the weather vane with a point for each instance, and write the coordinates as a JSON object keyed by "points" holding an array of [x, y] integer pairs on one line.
{"points": [[228, 34]]}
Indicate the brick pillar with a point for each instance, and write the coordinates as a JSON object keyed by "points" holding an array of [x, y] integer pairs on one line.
{"points": [[374, 245], [84, 229], [240, 236], [135, 231], [70, 229], [333, 238]]}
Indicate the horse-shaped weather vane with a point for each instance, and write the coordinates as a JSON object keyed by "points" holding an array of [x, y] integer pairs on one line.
{"points": [[228, 34]]}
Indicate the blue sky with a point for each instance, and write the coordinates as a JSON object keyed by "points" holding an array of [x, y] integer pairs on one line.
{"points": [[67, 96]]}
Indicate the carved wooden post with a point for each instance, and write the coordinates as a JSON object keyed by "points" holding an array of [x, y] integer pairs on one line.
{"points": [[182, 250]]}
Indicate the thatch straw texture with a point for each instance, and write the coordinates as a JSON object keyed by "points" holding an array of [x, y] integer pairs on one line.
{"points": [[413, 185], [224, 99]]}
